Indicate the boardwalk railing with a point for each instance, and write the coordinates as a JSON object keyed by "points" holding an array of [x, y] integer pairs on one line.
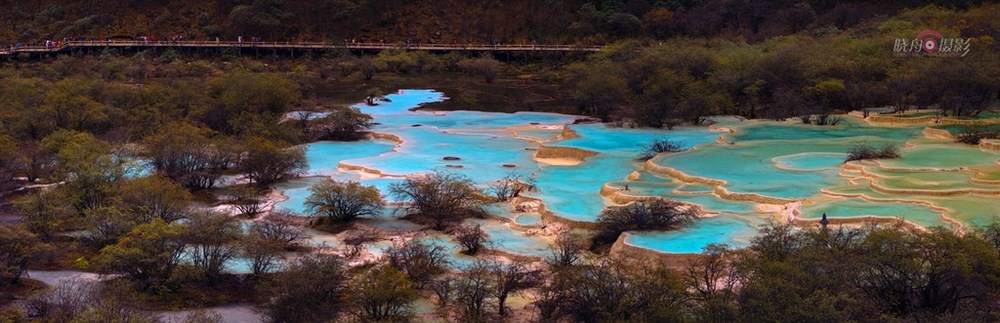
{"points": [[294, 46]]}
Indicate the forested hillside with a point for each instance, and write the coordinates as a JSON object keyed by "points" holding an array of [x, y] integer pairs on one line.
{"points": [[550, 21], [157, 170]]}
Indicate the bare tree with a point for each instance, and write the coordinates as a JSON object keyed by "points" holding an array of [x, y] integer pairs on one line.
{"points": [[510, 278], [215, 236], [418, 260], [510, 186], [343, 201], [312, 289], [280, 229], [653, 214], [658, 146], [247, 201], [473, 293], [78, 300], [63, 302], [567, 251], [471, 238], [382, 294], [439, 198], [262, 253], [266, 161], [711, 275], [356, 241], [303, 118], [444, 289]]}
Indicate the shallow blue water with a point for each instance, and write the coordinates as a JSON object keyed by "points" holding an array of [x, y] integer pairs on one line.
{"points": [[772, 159], [783, 160], [502, 237], [297, 190], [571, 191], [848, 208], [325, 156], [529, 219], [734, 230]]}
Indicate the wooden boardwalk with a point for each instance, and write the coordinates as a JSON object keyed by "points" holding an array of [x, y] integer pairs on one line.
{"points": [[6, 51]]}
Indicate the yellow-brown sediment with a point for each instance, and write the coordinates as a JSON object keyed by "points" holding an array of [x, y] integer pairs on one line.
{"points": [[567, 133], [366, 170], [990, 144], [387, 136], [938, 133], [563, 152], [896, 120]]}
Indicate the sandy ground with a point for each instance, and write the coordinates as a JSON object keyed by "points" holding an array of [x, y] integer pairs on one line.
{"points": [[239, 313], [57, 277]]}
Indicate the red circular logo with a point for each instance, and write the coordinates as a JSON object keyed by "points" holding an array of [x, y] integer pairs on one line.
{"points": [[929, 40]]}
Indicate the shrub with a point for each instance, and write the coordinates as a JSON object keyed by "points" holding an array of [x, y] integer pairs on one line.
{"points": [[653, 214], [486, 67], [17, 246], [312, 289], [861, 150], [343, 201], [213, 237], [279, 228], [439, 198], [658, 146], [567, 251], [345, 124], [419, 261], [247, 201], [972, 135], [266, 162], [147, 255], [382, 294], [510, 186], [471, 238], [356, 240], [823, 120]]}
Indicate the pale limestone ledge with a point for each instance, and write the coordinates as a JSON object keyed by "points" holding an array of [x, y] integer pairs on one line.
{"points": [[938, 133], [564, 133], [895, 120], [559, 161], [387, 136], [990, 144], [678, 261], [952, 192], [549, 217], [652, 167], [945, 212], [717, 184]]}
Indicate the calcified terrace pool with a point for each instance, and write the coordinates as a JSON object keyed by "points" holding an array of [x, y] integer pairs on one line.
{"points": [[741, 173]]}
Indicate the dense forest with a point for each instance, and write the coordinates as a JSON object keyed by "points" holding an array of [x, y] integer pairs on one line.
{"points": [[449, 21], [108, 160]]}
